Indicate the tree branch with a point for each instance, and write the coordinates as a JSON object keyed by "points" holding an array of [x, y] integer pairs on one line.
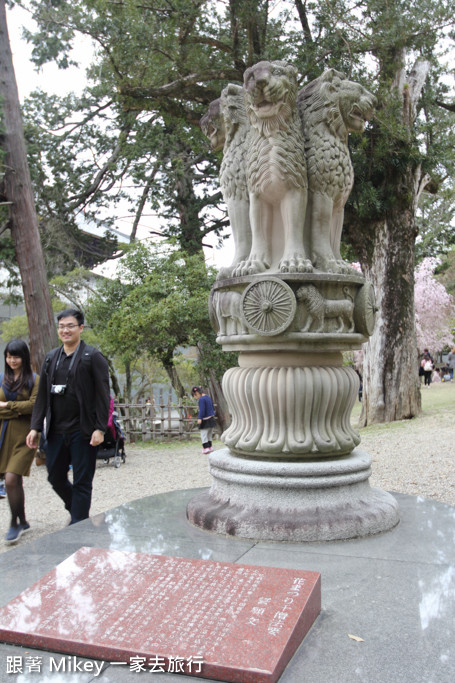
{"points": [[79, 200], [445, 105], [181, 84], [416, 81], [142, 201], [301, 9]]}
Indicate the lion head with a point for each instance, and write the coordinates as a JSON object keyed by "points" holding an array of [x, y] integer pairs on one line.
{"points": [[232, 106], [212, 125], [271, 93], [334, 100], [311, 297]]}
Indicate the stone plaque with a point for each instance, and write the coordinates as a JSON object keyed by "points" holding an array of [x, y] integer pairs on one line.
{"points": [[218, 620]]}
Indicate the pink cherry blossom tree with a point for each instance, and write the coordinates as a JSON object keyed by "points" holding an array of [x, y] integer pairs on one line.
{"points": [[434, 309], [434, 312]]}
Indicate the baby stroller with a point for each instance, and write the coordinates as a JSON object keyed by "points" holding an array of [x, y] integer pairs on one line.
{"points": [[113, 445]]}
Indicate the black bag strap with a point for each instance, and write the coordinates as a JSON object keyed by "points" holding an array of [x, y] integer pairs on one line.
{"points": [[49, 356]]}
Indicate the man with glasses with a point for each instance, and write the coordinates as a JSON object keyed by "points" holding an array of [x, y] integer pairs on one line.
{"points": [[73, 397]]}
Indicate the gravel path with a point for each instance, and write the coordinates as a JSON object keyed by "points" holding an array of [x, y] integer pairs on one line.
{"points": [[413, 456]]}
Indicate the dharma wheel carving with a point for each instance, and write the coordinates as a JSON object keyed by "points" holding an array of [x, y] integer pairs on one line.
{"points": [[268, 306]]}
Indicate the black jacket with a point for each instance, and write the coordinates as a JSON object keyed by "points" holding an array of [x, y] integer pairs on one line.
{"points": [[90, 380]]}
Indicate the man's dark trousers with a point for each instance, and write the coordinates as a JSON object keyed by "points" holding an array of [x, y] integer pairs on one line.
{"points": [[63, 450]]}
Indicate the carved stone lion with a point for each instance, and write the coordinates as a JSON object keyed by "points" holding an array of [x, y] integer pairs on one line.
{"points": [[276, 171], [212, 125], [319, 309], [330, 107], [226, 125]]}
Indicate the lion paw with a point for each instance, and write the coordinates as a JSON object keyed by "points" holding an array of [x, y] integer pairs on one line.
{"points": [[251, 267], [225, 273], [237, 272], [327, 265], [297, 264], [255, 266]]}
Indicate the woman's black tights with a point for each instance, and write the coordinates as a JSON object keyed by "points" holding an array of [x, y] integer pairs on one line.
{"points": [[16, 498]]}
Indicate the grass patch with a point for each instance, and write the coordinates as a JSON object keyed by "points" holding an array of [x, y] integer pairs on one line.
{"points": [[438, 399]]}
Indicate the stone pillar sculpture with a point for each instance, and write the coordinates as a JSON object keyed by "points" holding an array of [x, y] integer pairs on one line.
{"points": [[291, 469]]}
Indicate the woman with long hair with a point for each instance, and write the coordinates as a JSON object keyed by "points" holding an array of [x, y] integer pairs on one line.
{"points": [[19, 387]]}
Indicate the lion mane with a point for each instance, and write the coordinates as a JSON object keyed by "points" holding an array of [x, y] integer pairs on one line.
{"points": [[212, 125], [330, 107], [226, 125], [279, 129], [237, 127], [276, 170]]}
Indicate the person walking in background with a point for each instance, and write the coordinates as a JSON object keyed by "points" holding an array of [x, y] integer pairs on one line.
{"points": [[451, 362], [205, 418], [74, 398], [427, 365], [427, 353], [19, 388]]}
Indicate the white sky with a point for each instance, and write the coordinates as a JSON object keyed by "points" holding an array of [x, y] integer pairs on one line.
{"points": [[53, 80]]}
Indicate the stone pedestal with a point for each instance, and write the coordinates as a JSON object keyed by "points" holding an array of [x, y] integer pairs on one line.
{"points": [[291, 470], [311, 500]]}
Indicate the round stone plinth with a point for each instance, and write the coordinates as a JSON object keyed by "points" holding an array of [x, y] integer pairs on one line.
{"points": [[312, 500]]}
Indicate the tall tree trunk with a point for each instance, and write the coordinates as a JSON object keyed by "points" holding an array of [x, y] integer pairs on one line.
{"points": [[385, 247], [129, 380], [24, 223], [221, 407], [391, 387], [214, 385], [172, 373]]}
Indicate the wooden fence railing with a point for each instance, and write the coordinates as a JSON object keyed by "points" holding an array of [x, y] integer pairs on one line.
{"points": [[158, 420]]}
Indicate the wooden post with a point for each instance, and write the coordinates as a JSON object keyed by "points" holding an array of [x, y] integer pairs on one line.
{"points": [[169, 414], [144, 421], [127, 422], [181, 412], [161, 414]]}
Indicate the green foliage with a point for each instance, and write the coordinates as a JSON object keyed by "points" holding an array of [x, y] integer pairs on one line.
{"points": [[157, 67], [188, 371], [166, 305], [139, 118], [156, 305], [445, 272], [9, 262], [74, 286], [436, 223], [15, 328]]}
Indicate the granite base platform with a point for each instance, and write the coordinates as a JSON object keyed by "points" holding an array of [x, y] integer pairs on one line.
{"points": [[387, 600]]}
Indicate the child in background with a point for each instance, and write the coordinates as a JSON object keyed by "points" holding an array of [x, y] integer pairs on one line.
{"points": [[206, 418]]}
